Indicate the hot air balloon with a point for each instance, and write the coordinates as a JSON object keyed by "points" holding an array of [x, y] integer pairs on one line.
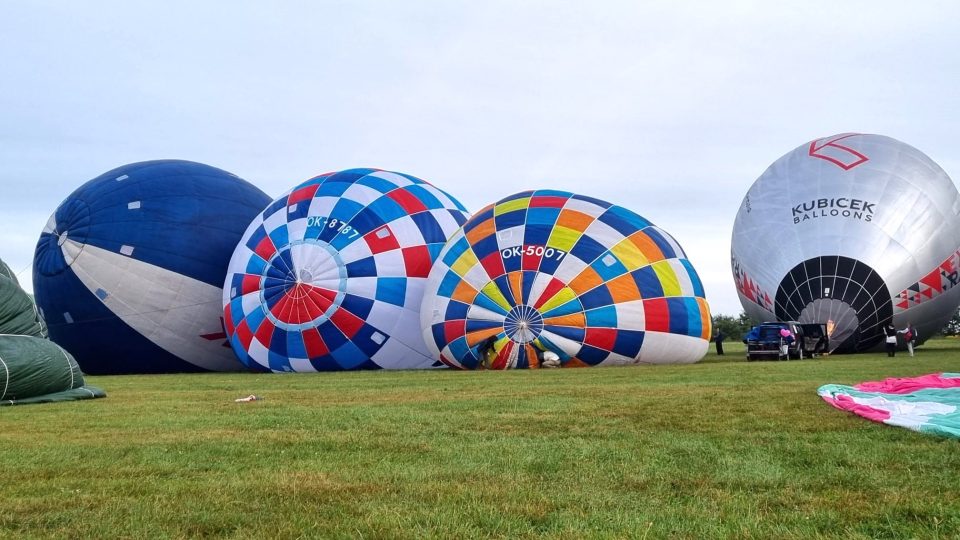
{"points": [[33, 369], [18, 313], [550, 272], [330, 276], [853, 231], [129, 269]]}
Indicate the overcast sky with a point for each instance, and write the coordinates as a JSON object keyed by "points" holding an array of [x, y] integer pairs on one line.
{"points": [[670, 108]]}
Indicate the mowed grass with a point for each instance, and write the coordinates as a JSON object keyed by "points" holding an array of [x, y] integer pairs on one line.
{"points": [[719, 449]]}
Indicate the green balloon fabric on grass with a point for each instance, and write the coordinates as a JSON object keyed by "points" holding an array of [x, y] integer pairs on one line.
{"points": [[32, 368], [35, 370]]}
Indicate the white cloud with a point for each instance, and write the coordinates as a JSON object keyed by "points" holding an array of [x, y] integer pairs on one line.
{"points": [[670, 109]]}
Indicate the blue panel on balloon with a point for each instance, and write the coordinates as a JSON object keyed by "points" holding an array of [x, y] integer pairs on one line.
{"points": [[648, 282], [694, 278], [300, 211], [429, 227], [604, 317], [609, 267], [449, 283], [694, 323], [256, 237], [587, 249], [529, 277], [456, 249], [364, 340], [278, 342], [387, 209], [459, 347], [392, 290], [458, 215], [474, 325], [598, 202], [276, 206], [424, 195], [628, 342], [567, 308], [678, 315], [438, 332], [512, 219], [596, 297], [486, 247], [592, 355], [380, 184], [331, 335], [357, 305], [574, 333], [503, 284], [623, 221], [456, 310], [332, 188], [363, 268], [349, 356], [295, 347], [543, 217], [366, 220], [665, 247]]}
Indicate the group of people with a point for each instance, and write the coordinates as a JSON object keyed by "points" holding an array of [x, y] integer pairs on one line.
{"points": [[909, 336], [890, 331], [488, 354]]}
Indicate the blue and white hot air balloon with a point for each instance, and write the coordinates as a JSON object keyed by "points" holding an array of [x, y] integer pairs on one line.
{"points": [[331, 275], [128, 271]]}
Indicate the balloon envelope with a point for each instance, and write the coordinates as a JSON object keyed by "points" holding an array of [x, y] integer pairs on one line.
{"points": [[854, 231], [330, 276], [550, 271], [129, 269]]}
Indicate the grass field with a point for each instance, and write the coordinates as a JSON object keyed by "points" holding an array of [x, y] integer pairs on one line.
{"points": [[719, 449]]}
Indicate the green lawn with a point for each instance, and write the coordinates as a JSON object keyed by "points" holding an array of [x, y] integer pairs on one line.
{"points": [[719, 449]]}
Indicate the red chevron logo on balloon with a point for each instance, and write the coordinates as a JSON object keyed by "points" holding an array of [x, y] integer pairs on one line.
{"points": [[215, 336], [842, 156]]}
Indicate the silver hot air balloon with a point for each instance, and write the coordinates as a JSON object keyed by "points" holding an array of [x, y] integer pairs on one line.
{"points": [[856, 231]]}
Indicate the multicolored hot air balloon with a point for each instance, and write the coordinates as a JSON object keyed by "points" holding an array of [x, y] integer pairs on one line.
{"points": [[853, 231], [129, 269], [552, 272], [331, 275]]}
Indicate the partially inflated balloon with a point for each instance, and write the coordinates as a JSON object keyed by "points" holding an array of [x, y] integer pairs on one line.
{"points": [[854, 231], [129, 268], [553, 272], [331, 275]]}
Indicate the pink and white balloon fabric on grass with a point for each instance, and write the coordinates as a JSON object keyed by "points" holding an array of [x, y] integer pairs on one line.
{"points": [[330, 276], [928, 404]]}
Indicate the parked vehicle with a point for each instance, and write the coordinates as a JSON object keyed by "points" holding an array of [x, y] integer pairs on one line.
{"points": [[786, 340]]}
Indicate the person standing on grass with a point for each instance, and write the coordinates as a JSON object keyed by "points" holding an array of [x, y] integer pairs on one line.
{"points": [[719, 341], [910, 336], [891, 340]]}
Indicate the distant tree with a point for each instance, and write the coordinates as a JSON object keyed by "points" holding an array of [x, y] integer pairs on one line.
{"points": [[953, 325], [733, 328]]}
